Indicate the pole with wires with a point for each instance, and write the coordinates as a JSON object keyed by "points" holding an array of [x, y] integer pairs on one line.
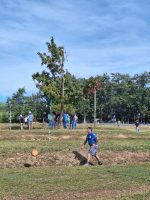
{"points": [[10, 114], [50, 121]]}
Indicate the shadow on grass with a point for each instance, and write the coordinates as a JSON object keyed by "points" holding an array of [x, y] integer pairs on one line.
{"points": [[27, 165], [80, 157]]}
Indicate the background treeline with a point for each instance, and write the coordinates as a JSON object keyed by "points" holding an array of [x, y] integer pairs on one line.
{"points": [[107, 97], [118, 96]]}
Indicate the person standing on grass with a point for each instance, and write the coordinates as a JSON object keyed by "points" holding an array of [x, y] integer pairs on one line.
{"points": [[21, 120], [65, 118], [118, 123], [52, 120], [30, 120], [26, 120], [137, 126], [91, 138], [71, 121], [75, 118], [44, 120]]}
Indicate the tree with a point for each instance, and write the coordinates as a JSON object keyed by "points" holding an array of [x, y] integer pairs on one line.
{"points": [[74, 96], [17, 103], [51, 81], [21, 104]]}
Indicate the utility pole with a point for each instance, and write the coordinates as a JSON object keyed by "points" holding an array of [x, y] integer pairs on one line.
{"points": [[101, 120], [10, 115], [50, 106], [94, 106], [62, 89], [50, 118]]}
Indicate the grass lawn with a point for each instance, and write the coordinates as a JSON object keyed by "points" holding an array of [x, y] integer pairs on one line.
{"points": [[83, 182], [125, 173]]}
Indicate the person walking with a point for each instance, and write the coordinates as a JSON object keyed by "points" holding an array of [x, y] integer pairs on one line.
{"points": [[92, 141]]}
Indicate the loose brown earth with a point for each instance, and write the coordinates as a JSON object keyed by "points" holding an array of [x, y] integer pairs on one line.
{"points": [[67, 158]]}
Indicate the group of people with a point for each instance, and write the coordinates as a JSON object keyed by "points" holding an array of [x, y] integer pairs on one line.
{"points": [[28, 120], [70, 121], [53, 120]]}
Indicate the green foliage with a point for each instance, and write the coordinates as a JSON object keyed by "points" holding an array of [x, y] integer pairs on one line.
{"points": [[3, 117], [21, 104], [127, 97], [3, 113], [118, 94], [49, 81]]}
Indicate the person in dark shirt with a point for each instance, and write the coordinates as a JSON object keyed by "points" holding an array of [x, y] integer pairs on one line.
{"points": [[21, 120], [91, 139], [44, 119], [137, 126]]}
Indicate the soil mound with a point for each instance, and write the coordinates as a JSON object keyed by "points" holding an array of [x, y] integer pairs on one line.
{"points": [[74, 158]]}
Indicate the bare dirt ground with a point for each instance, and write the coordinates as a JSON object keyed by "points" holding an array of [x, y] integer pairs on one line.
{"points": [[67, 158], [43, 136], [99, 194], [75, 157]]}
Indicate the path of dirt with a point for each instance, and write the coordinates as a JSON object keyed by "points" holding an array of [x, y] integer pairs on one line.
{"points": [[94, 194], [44, 136], [66, 158]]}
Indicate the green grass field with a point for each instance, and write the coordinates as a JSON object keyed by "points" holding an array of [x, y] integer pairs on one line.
{"points": [[57, 173]]}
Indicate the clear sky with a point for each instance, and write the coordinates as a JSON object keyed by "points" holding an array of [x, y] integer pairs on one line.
{"points": [[99, 36]]}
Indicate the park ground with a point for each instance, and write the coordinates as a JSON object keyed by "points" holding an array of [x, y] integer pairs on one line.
{"points": [[58, 172]]}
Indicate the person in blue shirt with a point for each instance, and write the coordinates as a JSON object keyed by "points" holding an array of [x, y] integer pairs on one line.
{"points": [[30, 120], [91, 139], [65, 118]]}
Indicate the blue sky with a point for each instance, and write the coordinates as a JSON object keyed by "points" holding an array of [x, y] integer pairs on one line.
{"points": [[99, 36]]}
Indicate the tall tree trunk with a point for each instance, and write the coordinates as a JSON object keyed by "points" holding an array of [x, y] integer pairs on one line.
{"points": [[94, 106]]}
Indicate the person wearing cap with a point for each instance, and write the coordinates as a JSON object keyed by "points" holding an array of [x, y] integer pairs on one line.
{"points": [[21, 120]]}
